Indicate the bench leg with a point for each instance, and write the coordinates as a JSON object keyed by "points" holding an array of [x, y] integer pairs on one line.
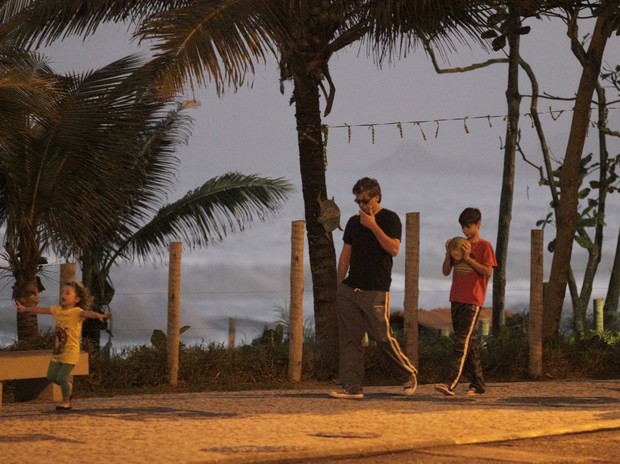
{"points": [[51, 393], [0, 394], [42, 389]]}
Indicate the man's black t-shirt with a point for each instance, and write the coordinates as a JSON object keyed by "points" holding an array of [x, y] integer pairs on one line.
{"points": [[370, 267]]}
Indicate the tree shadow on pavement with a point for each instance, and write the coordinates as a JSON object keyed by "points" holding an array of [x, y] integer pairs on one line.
{"points": [[146, 413]]}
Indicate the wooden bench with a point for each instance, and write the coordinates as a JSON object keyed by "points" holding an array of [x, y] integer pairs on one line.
{"points": [[30, 368]]}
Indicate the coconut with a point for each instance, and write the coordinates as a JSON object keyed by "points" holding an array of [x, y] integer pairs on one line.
{"points": [[456, 247]]}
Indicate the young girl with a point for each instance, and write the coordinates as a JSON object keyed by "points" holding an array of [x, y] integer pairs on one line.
{"points": [[74, 303]]}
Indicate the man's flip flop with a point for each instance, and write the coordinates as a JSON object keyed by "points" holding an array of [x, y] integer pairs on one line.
{"points": [[63, 408]]}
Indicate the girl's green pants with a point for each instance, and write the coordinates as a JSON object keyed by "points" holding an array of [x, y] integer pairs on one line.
{"points": [[59, 373]]}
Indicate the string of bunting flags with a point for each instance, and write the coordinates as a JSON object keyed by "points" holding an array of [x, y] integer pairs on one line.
{"points": [[554, 114]]}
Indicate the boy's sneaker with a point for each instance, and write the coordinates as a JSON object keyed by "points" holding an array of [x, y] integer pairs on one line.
{"points": [[345, 394], [411, 386], [473, 391], [444, 389]]}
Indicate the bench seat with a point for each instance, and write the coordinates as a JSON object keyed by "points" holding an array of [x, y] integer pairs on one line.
{"points": [[31, 366]]}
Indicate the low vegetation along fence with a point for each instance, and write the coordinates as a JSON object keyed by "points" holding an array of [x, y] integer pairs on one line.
{"points": [[410, 313], [412, 275]]}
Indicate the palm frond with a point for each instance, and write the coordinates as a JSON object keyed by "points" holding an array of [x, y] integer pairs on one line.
{"points": [[149, 174], [400, 25], [27, 87], [205, 215], [76, 163], [216, 41], [38, 23]]}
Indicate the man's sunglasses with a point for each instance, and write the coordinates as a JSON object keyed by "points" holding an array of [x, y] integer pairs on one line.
{"points": [[363, 202]]}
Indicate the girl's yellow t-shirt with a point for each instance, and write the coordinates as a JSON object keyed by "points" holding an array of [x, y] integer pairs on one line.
{"points": [[68, 333]]}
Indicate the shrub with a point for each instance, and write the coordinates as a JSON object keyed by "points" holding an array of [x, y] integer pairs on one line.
{"points": [[264, 363]]}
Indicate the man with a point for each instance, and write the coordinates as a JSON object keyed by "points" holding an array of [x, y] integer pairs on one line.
{"points": [[371, 240]]}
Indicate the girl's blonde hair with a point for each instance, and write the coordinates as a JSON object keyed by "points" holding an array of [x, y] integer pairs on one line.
{"points": [[82, 292]]}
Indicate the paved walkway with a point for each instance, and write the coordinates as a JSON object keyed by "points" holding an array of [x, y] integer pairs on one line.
{"points": [[297, 425]]}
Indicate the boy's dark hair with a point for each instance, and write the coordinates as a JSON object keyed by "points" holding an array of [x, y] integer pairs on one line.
{"points": [[367, 185], [470, 216]]}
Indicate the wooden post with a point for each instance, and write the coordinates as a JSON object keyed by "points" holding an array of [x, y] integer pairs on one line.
{"points": [[412, 292], [296, 323], [536, 303], [598, 314], [484, 327], [67, 273], [232, 330], [174, 311]]}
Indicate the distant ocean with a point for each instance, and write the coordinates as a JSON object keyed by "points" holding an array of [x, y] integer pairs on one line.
{"points": [[246, 277]]}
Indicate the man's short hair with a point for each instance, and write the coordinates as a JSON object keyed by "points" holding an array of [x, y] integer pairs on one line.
{"points": [[470, 216], [367, 185]]}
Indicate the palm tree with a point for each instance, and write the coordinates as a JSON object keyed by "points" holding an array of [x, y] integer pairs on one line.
{"points": [[218, 42], [27, 92], [202, 217], [60, 183], [85, 180]]}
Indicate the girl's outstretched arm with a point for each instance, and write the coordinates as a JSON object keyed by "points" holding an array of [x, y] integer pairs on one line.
{"points": [[94, 315], [32, 309]]}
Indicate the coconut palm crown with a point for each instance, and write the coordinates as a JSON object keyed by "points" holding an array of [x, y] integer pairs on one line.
{"points": [[90, 182]]}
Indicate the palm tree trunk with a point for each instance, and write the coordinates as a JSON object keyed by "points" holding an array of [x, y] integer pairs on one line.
{"points": [[320, 244], [569, 185], [24, 259], [27, 292]]}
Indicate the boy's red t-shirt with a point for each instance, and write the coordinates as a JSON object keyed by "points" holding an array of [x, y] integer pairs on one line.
{"points": [[469, 287]]}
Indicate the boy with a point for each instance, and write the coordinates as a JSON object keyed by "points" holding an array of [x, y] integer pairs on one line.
{"points": [[472, 270]]}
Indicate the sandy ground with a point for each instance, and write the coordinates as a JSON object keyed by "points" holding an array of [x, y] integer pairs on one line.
{"points": [[302, 424]]}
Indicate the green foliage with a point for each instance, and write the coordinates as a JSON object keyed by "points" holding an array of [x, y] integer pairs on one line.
{"points": [[264, 364], [435, 353], [283, 319], [502, 24], [506, 356], [589, 215], [201, 367], [159, 340], [43, 341], [591, 355], [271, 337]]}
